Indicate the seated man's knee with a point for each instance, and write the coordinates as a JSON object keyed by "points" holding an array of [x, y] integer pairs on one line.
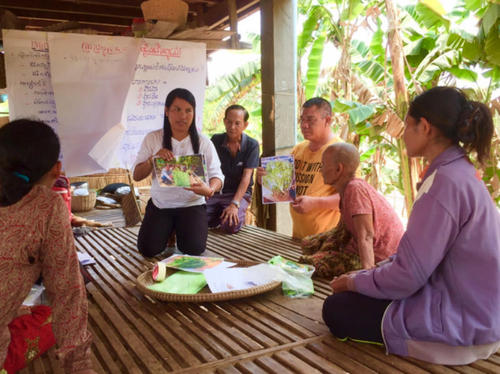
{"points": [[231, 229]]}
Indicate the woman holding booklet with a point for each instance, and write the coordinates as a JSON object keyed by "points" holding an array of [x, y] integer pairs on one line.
{"points": [[177, 208]]}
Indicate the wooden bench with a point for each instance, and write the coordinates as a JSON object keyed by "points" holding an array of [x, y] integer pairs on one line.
{"points": [[269, 333]]}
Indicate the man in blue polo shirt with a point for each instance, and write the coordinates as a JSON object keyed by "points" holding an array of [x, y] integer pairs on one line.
{"points": [[239, 155]]}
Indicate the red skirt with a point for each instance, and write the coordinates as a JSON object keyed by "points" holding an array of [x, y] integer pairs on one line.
{"points": [[30, 336]]}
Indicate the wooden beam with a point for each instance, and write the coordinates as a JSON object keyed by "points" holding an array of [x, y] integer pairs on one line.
{"points": [[61, 16], [199, 2], [218, 15], [40, 24], [112, 5], [103, 15], [119, 3], [213, 45], [58, 6]]}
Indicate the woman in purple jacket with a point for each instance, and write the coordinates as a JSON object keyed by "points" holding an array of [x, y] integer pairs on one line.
{"points": [[438, 298]]}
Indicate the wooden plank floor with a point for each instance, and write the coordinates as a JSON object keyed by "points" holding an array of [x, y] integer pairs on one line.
{"points": [[263, 334], [115, 216]]}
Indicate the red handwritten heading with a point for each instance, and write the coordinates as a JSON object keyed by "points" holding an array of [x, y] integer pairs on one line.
{"points": [[39, 45], [157, 50], [100, 49]]}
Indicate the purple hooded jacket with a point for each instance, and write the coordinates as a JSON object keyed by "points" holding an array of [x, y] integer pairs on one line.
{"points": [[445, 277]]}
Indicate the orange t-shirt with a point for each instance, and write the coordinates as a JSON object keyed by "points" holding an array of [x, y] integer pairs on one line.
{"points": [[310, 183]]}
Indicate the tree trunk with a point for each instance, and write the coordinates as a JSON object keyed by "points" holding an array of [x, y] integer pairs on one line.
{"points": [[396, 51]]}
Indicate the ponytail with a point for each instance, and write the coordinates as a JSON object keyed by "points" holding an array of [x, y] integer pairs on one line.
{"points": [[167, 134], [464, 122], [195, 139], [475, 129]]}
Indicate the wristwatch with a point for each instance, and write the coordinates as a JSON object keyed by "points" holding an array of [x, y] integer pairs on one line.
{"points": [[235, 202]]}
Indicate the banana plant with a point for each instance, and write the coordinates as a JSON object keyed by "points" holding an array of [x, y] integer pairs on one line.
{"points": [[241, 86], [438, 49]]}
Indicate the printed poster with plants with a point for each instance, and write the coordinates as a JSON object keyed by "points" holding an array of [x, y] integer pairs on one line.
{"points": [[182, 171], [278, 185], [195, 264]]}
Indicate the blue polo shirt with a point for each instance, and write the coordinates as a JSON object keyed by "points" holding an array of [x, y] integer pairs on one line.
{"points": [[247, 157]]}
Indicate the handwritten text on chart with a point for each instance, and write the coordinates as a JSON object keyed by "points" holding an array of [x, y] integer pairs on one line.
{"points": [[169, 67], [149, 103], [100, 49], [44, 93], [158, 50], [29, 55], [33, 83], [43, 73], [146, 94], [41, 65], [140, 117], [39, 45], [146, 81]]}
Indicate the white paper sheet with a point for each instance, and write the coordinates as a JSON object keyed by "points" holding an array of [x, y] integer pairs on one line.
{"points": [[35, 295], [97, 82], [28, 76], [232, 279], [91, 75], [104, 151], [85, 259], [162, 65]]}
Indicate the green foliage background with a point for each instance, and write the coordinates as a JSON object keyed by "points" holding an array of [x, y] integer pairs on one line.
{"points": [[440, 48]]}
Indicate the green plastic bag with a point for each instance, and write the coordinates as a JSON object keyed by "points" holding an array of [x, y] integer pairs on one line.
{"points": [[182, 282], [296, 282]]}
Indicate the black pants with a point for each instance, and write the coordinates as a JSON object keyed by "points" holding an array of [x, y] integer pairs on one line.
{"points": [[190, 225], [355, 316]]}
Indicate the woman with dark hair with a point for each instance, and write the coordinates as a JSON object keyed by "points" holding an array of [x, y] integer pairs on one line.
{"points": [[179, 209], [36, 240], [438, 298]]}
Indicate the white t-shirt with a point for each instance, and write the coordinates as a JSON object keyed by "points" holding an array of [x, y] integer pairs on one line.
{"points": [[178, 197]]}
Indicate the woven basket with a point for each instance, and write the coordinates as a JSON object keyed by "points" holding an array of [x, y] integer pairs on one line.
{"points": [[98, 181], [145, 279], [83, 203], [175, 11]]}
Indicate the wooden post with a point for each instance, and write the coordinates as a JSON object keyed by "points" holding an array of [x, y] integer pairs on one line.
{"points": [[278, 51], [233, 23]]}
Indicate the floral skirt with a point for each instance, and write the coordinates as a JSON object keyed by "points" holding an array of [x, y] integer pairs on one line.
{"points": [[30, 336], [328, 252]]}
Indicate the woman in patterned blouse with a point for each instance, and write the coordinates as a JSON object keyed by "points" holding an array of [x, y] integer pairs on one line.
{"points": [[36, 240]]}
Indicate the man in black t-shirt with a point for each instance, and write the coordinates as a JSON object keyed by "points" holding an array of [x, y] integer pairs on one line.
{"points": [[239, 155]]}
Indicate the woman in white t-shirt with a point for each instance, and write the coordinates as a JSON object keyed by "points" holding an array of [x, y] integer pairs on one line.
{"points": [[176, 208]]}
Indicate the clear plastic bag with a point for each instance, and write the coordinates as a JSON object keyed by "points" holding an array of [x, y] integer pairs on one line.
{"points": [[296, 278]]}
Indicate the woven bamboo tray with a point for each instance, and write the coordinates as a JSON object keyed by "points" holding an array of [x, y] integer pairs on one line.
{"points": [[145, 279]]}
